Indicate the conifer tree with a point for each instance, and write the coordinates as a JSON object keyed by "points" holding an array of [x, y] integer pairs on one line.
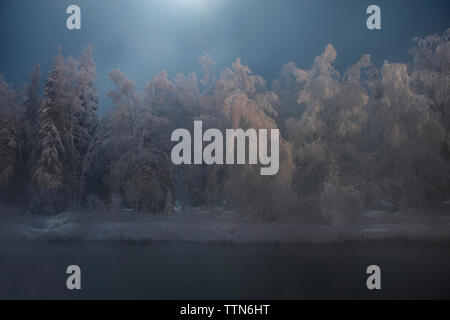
{"points": [[30, 119], [49, 191], [10, 148]]}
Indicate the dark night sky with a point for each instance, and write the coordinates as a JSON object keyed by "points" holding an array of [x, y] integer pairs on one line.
{"points": [[143, 37]]}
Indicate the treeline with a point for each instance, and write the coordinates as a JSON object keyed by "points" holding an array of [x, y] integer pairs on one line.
{"points": [[348, 142]]}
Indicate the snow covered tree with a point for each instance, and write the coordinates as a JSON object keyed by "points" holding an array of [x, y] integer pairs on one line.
{"points": [[329, 139], [87, 132], [137, 170], [410, 167], [143, 178], [86, 118], [431, 76], [10, 148], [30, 118], [67, 125], [126, 101], [247, 104], [179, 103], [309, 134], [287, 87], [49, 190], [346, 140], [208, 69]]}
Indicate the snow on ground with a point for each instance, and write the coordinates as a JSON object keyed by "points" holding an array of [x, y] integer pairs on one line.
{"points": [[224, 226]]}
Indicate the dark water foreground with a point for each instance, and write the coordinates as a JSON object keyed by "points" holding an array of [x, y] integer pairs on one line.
{"points": [[222, 271]]}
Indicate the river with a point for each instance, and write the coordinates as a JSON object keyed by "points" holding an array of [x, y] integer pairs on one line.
{"points": [[224, 271]]}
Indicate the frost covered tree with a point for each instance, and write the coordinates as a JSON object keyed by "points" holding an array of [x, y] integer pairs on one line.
{"points": [[10, 148], [410, 167], [287, 87], [30, 118], [126, 101], [67, 124], [208, 66], [86, 118], [308, 134], [179, 103], [49, 190], [87, 133], [29, 122], [138, 171], [143, 178], [348, 140], [330, 138], [177, 100], [365, 135], [431, 76], [247, 104]]}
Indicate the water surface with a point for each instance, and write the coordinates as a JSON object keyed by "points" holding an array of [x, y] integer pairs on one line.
{"points": [[224, 271]]}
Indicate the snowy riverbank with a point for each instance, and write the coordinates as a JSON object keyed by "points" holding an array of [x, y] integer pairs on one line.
{"points": [[204, 227]]}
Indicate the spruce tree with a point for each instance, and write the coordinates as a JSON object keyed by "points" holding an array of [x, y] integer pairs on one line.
{"points": [[48, 183]]}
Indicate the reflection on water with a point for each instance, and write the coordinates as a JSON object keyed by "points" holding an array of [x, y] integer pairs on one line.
{"points": [[222, 271]]}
